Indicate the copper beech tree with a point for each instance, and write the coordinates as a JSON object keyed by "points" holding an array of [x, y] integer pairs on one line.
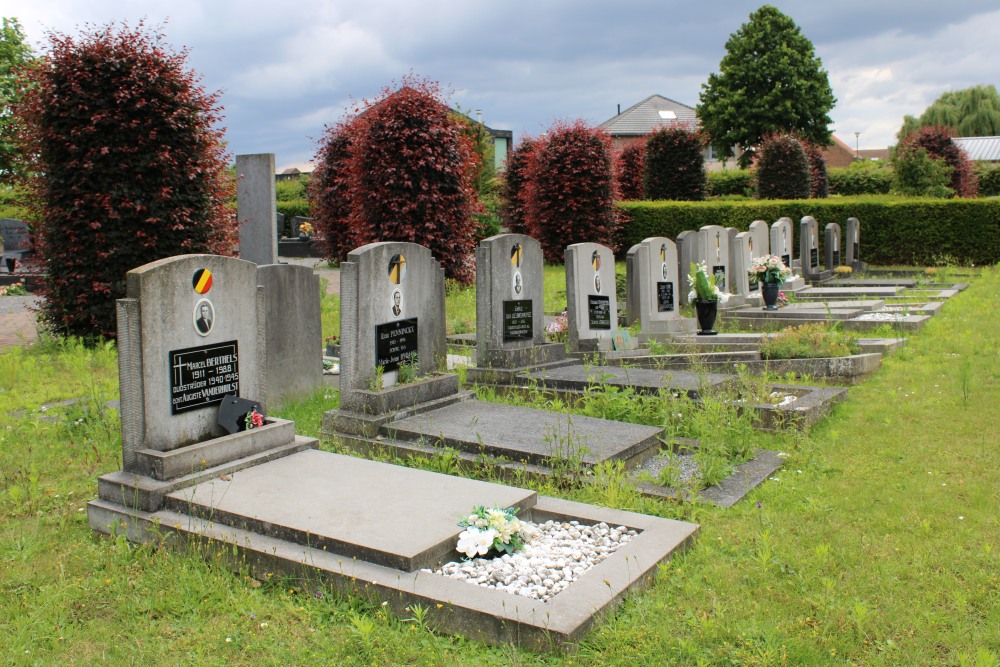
{"points": [[125, 164], [401, 169]]}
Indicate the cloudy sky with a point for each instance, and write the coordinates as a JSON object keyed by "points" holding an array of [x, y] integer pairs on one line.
{"points": [[286, 70]]}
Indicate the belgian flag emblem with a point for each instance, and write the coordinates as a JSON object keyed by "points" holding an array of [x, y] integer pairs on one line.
{"points": [[397, 269], [202, 281], [515, 255], [595, 260], [663, 252]]}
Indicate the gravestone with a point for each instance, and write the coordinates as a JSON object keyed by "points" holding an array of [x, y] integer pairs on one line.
{"points": [[653, 293], [16, 241], [510, 305], [713, 241], [190, 331], [687, 254], [395, 295], [809, 247], [853, 245], [297, 222], [759, 240], [255, 207], [592, 304], [831, 246], [741, 259], [781, 240], [279, 224], [294, 338]]}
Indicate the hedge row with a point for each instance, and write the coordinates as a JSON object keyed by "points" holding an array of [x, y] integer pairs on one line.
{"points": [[293, 208], [909, 231], [850, 182]]}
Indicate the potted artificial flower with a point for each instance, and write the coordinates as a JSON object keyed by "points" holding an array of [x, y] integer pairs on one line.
{"points": [[305, 231], [770, 272], [705, 295]]}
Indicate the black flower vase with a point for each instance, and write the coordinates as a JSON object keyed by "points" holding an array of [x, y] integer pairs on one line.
{"points": [[707, 310], [770, 293]]}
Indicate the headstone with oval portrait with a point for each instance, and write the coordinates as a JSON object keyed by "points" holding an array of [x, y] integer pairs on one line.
{"points": [[392, 313], [852, 245], [781, 241], [653, 297], [510, 308], [592, 304], [190, 331]]}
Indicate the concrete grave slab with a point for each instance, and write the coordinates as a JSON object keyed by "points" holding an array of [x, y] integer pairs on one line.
{"points": [[646, 380], [526, 434], [453, 606], [332, 508], [830, 293]]}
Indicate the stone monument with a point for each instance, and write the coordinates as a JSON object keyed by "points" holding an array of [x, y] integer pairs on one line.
{"points": [[831, 246], [510, 316], [653, 289], [592, 303], [255, 208]]}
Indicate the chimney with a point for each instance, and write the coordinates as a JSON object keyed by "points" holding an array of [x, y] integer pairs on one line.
{"points": [[619, 110]]}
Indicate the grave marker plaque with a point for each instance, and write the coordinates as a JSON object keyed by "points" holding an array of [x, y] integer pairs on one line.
{"points": [[395, 343], [664, 297], [517, 320], [202, 376], [599, 312]]}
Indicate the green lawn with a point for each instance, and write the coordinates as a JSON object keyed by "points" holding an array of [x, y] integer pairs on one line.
{"points": [[877, 544]]}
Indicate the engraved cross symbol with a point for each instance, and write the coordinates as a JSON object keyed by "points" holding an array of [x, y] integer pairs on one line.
{"points": [[178, 367]]}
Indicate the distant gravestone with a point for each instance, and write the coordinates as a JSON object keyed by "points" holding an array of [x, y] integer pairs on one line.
{"points": [[510, 304], [687, 254], [255, 207], [279, 224], [294, 338], [759, 239], [16, 241], [297, 222], [809, 247], [853, 243], [654, 289], [831, 246], [740, 265], [781, 240], [592, 305], [392, 311], [190, 330], [713, 241]]}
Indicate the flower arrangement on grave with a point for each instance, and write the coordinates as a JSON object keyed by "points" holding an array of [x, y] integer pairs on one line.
{"points": [[703, 287], [768, 270], [253, 419], [558, 327], [489, 528], [16, 289], [782, 298], [306, 228]]}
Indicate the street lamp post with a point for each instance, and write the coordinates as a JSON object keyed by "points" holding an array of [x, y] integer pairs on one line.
{"points": [[857, 145]]}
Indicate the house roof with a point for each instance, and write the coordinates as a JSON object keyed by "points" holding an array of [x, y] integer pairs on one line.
{"points": [[980, 148], [653, 112]]}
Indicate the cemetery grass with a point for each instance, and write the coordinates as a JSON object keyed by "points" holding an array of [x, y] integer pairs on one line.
{"points": [[875, 544]]}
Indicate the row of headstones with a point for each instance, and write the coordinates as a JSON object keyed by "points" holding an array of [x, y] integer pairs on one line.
{"points": [[728, 253]]}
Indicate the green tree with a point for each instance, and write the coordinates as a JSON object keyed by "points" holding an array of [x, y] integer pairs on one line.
{"points": [[970, 112], [770, 80], [14, 52]]}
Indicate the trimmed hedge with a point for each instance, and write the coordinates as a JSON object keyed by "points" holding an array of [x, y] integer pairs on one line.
{"points": [[989, 179], [731, 182], [849, 181], [910, 231], [293, 207]]}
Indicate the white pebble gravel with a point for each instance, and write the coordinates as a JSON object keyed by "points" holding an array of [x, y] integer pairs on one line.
{"points": [[553, 557], [879, 317]]}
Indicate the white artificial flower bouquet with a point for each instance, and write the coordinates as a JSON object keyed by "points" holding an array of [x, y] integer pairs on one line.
{"points": [[491, 528]]}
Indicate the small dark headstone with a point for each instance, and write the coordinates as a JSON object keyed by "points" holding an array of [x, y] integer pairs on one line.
{"points": [[233, 412]]}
